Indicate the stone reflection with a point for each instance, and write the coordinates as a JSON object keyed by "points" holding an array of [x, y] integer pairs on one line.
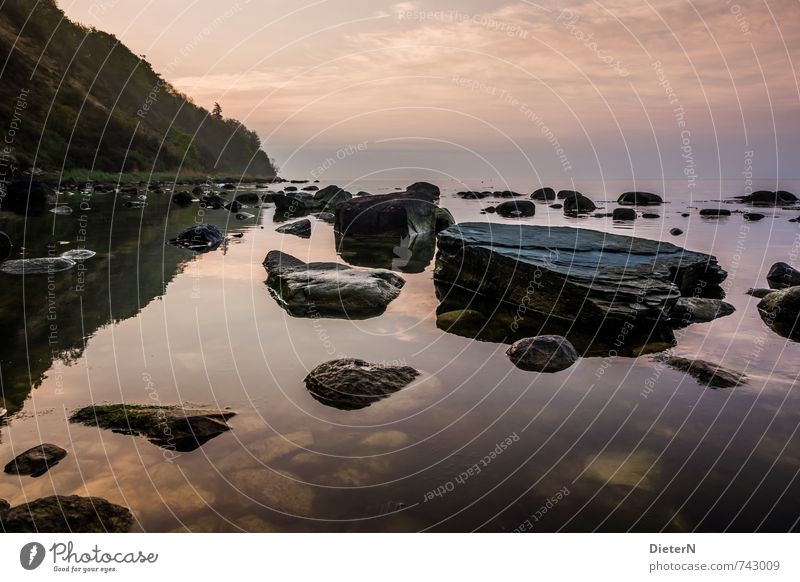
{"points": [[407, 254], [473, 316]]}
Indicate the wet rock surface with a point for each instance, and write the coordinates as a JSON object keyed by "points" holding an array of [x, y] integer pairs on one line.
{"points": [[169, 427], [395, 214], [301, 228], [626, 214], [201, 238], [36, 461], [780, 310], [352, 384], [699, 310], [329, 289], [516, 209], [571, 274], [544, 353], [640, 199], [783, 275], [59, 514], [38, 266], [576, 203], [759, 292], [544, 194], [768, 198]]}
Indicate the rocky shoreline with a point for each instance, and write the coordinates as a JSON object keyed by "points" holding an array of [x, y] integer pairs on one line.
{"points": [[554, 295]]}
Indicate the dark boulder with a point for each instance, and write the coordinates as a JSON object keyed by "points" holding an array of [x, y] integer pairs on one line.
{"points": [[578, 204], [473, 195], [753, 216], [169, 427], [564, 194], [200, 238], [640, 199], [233, 207], [249, 198], [516, 209], [714, 212], [214, 201], [675, 231], [183, 198], [650, 215], [424, 190], [444, 219], [544, 194], [768, 198], [301, 228], [331, 196], [67, 514], [392, 215], [580, 274], [780, 310], [506, 194], [544, 353], [329, 289], [624, 214], [782, 275], [36, 460], [353, 384]]}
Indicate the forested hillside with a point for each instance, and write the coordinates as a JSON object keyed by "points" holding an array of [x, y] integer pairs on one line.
{"points": [[77, 98]]}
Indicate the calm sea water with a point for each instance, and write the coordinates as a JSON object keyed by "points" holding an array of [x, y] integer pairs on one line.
{"points": [[609, 444]]}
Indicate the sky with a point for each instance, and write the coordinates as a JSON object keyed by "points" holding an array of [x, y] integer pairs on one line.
{"points": [[523, 90]]}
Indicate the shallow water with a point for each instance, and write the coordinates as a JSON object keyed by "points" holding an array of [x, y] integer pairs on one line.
{"points": [[609, 444]]}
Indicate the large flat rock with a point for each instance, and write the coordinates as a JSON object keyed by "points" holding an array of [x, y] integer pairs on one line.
{"points": [[572, 274], [329, 289]]}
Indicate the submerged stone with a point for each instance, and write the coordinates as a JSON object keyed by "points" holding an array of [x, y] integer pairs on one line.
{"points": [[301, 228], [706, 373], [352, 384], [67, 514], [169, 427], [78, 254], [36, 461], [544, 353], [42, 266]]}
